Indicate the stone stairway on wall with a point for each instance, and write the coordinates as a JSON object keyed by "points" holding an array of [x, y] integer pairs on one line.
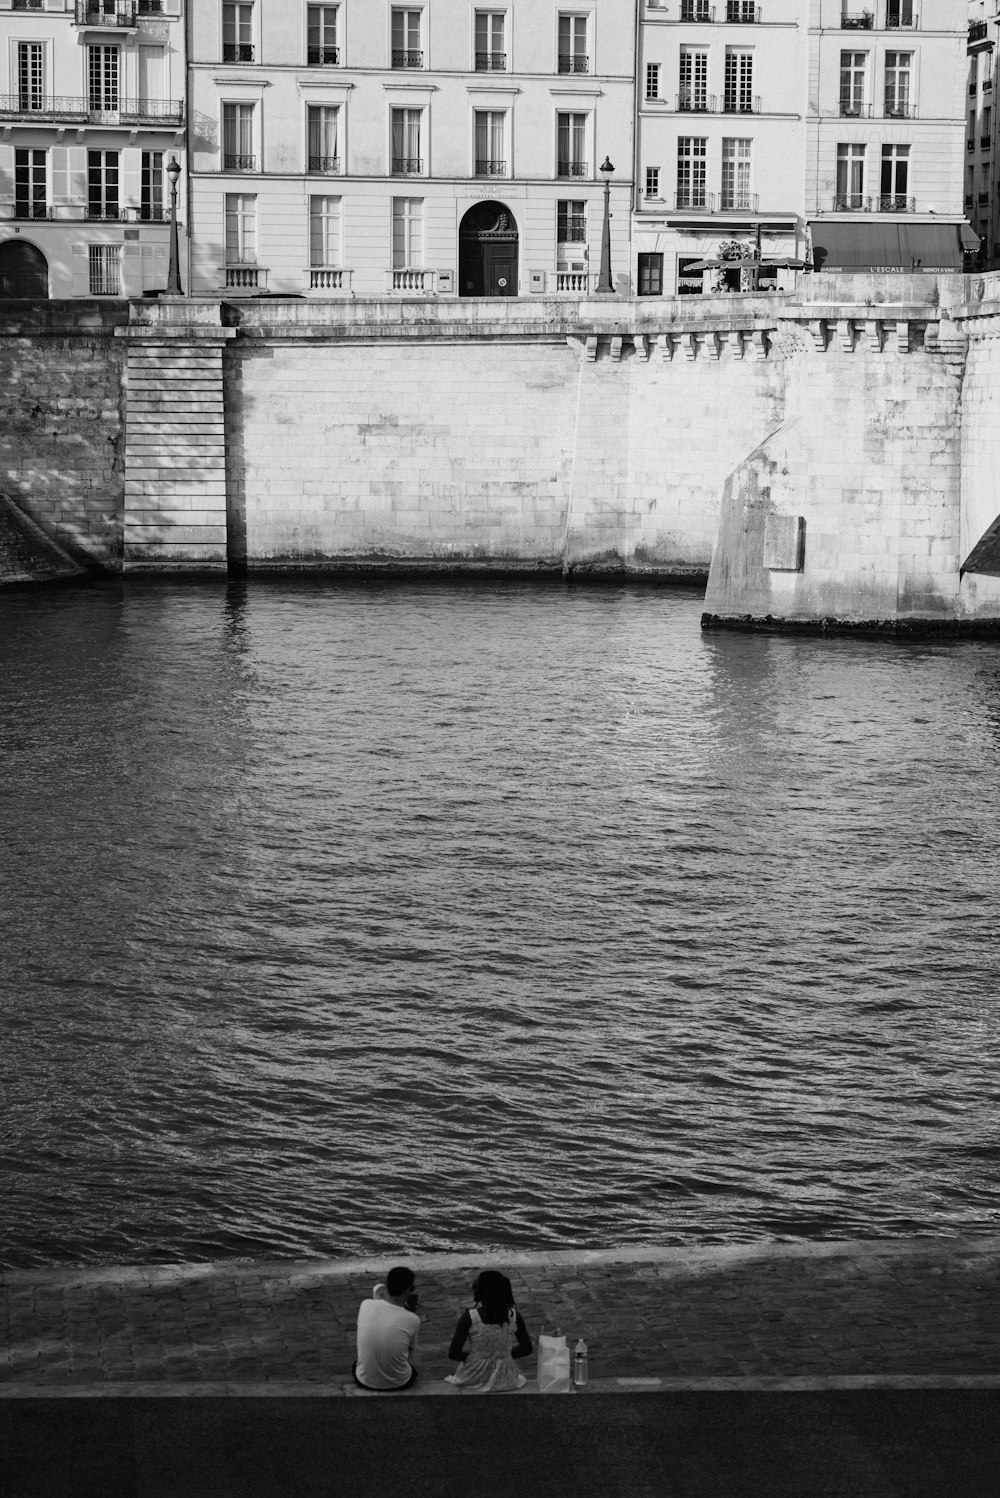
{"points": [[27, 554]]}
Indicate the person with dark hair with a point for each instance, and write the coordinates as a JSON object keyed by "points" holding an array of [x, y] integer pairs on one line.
{"points": [[488, 1337], [387, 1334]]}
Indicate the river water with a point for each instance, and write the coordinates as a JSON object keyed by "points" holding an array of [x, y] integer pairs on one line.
{"points": [[344, 919]]}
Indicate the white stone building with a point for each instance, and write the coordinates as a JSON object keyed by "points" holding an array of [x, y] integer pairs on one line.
{"points": [[981, 196], [438, 147], [91, 110]]}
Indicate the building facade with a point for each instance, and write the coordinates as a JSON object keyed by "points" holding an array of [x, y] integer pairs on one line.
{"points": [[91, 111], [981, 196], [372, 148]]}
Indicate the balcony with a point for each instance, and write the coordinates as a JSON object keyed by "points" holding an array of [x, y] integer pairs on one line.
{"points": [[695, 10], [571, 169], [325, 166], [978, 31], [491, 62], [234, 162], [694, 200], [107, 15], [695, 104], [69, 109], [411, 280], [851, 111], [407, 166], [742, 12], [984, 142], [245, 278], [405, 57], [573, 280], [328, 278], [987, 85], [489, 167], [105, 213], [573, 64], [151, 7], [733, 104], [738, 202], [572, 230], [895, 203], [970, 144], [857, 20], [27, 5], [901, 23], [238, 52], [323, 57], [899, 111], [851, 202], [972, 89], [29, 211], [984, 198]]}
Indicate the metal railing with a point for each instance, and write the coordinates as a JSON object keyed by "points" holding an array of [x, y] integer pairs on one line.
{"points": [[854, 111], [695, 103], [899, 112], [901, 23], [107, 13], [323, 57], [694, 199], [984, 197], [234, 162], [411, 280], [70, 107], [150, 7], [984, 141], [245, 277], [970, 143], [571, 169], [738, 202], [491, 62], [325, 165], [895, 203], [857, 20], [572, 230], [325, 278], [488, 167], [105, 213], [851, 202], [987, 85], [733, 104], [238, 52], [32, 210], [696, 10], [27, 5], [407, 166], [977, 31], [406, 57], [573, 63], [743, 12]]}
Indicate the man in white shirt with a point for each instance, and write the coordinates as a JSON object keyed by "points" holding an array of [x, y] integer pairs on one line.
{"points": [[387, 1334]]}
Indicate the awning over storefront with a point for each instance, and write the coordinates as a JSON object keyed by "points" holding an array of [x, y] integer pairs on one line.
{"points": [[969, 238], [886, 247]]}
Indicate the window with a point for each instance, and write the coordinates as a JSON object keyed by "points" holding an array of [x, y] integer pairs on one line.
{"points": [[30, 195], [897, 83], [30, 75], [693, 79], [696, 10], [237, 138], [151, 186], [322, 122], [102, 78], [652, 181], [407, 233], [571, 221], [490, 155], [895, 179], [650, 274], [321, 36], [740, 10], [850, 177], [692, 154], [652, 80], [103, 200], [406, 52], [738, 97], [571, 146], [573, 44], [898, 13], [241, 228], [853, 72], [324, 231], [491, 54], [406, 157], [736, 175], [104, 264], [237, 32]]}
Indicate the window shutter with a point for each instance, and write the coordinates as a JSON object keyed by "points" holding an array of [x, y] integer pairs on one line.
{"points": [[132, 270], [81, 270], [132, 179]]}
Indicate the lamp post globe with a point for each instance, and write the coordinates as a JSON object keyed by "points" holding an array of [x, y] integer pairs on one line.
{"points": [[174, 271], [605, 286]]}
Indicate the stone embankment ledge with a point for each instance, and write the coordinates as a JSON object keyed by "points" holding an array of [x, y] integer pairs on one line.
{"points": [[920, 1312]]}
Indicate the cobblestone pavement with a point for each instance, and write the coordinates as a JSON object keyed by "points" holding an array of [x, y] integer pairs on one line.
{"points": [[927, 1307]]}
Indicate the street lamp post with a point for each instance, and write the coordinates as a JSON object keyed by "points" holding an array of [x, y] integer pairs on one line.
{"points": [[174, 272], [604, 286]]}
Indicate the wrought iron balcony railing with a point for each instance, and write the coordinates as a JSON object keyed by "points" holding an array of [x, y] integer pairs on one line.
{"points": [[490, 167], [27, 5], [738, 202], [734, 104], [571, 169], [323, 57], [111, 13], [897, 111], [234, 162], [575, 63], [742, 12], [107, 213], [326, 165], [407, 166], [24, 210], [978, 31], [697, 10], [858, 20], [895, 203], [984, 141], [491, 62], [851, 111], [851, 202], [238, 52], [901, 22], [987, 85], [984, 197], [406, 57], [695, 199], [150, 7], [43, 109], [695, 103], [970, 143]]}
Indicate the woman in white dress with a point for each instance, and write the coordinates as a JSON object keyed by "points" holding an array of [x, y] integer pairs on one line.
{"points": [[488, 1337]]}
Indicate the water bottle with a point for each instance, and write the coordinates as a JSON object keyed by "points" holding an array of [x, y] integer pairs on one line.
{"points": [[580, 1364]]}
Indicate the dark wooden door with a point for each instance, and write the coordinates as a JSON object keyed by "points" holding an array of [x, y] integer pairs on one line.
{"points": [[501, 269], [24, 272]]}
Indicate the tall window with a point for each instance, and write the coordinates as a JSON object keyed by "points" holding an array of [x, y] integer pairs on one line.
{"points": [[853, 72], [738, 96], [241, 228], [491, 158], [31, 75], [571, 146], [692, 162], [104, 266], [237, 138], [895, 179], [103, 198], [406, 46], [406, 129], [693, 83], [650, 268], [151, 185], [736, 174], [652, 182], [407, 233], [321, 36], [850, 177], [898, 13], [897, 83], [322, 128], [237, 32], [30, 195], [571, 221], [491, 47], [324, 231], [573, 44], [652, 80], [102, 78]]}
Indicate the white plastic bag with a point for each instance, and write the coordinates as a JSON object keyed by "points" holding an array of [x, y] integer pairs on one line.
{"points": [[553, 1365]]}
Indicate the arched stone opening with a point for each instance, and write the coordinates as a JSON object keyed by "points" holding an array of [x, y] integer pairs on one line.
{"points": [[24, 272], [487, 253]]}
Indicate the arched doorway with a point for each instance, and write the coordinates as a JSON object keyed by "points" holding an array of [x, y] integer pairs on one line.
{"points": [[487, 251], [24, 271]]}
